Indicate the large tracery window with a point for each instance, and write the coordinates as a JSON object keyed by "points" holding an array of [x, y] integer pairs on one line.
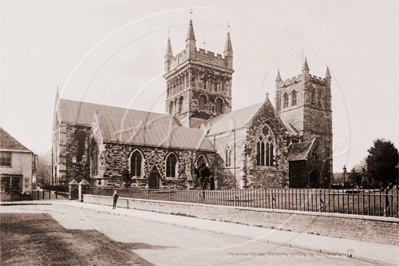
{"points": [[264, 148], [135, 164], [171, 165]]}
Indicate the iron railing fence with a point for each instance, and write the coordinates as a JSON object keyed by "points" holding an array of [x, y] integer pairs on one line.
{"points": [[347, 201]]}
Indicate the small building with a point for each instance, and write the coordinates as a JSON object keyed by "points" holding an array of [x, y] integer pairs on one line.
{"points": [[17, 165]]}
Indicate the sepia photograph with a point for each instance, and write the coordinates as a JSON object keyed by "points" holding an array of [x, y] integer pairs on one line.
{"points": [[194, 132]]}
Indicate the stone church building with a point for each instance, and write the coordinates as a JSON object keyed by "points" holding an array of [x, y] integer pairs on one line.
{"points": [[260, 146]]}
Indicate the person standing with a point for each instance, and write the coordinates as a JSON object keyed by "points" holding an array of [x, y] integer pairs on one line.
{"points": [[115, 198]]}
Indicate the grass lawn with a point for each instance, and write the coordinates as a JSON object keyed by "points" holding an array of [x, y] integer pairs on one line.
{"points": [[37, 239]]}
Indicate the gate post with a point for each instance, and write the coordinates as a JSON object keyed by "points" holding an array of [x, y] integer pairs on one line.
{"points": [[73, 186]]}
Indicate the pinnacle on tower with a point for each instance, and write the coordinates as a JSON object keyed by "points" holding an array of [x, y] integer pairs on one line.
{"points": [[327, 74], [190, 32], [169, 48], [278, 78], [228, 47], [168, 56], [305, 65]]}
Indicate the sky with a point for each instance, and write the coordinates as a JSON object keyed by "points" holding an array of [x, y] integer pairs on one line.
{"points": [[112, 53]]}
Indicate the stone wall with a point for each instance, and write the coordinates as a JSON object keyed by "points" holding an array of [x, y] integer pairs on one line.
{"points": [[74, 170], [230, 176], [275, 176], [117, 157], [363, 228]]}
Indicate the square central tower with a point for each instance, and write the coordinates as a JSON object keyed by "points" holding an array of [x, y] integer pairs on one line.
{"points": [[198, 82]]}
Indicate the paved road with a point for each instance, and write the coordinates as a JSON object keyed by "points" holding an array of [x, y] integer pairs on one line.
{"points": [[163, 244]]}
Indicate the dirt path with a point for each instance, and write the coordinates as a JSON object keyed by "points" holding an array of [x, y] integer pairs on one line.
{"points": [[37, 239]]}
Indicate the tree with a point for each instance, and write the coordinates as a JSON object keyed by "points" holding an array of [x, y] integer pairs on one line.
{"points": [[126, 177], [355, 178], [43, 174], [381, 162]]}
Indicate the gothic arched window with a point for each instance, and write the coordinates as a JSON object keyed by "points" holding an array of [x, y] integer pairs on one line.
{"points": [[202, 102], [264, 147], [171, 108], [227, 156], [219, 106], [81, 138], [319, 98], [294, 96], [285, 100], [94, 158], [171, 165], [201, 161], [312, 96], [135, 164], [181, 104], [187, 80]]}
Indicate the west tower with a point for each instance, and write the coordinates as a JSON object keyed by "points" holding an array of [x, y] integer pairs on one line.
{"points": [[198, 82], [304, 103]]}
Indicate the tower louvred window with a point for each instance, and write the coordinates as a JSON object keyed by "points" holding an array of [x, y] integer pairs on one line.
{"points": [[202, 102], [294, 98], [219, 106], [285, 100], [171, 108], [181, 104]]}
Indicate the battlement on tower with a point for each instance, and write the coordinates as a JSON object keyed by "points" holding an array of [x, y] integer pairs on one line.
{"points": [[293, 80], [316, 79], [200, 55], [297, 79]]}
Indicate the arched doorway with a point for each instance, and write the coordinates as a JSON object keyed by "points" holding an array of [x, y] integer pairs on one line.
{"points": [[314, 179], [153, 180]]}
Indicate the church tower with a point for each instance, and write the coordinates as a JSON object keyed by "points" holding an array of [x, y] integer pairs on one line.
{"points": [[198, 82], [304, 103]]}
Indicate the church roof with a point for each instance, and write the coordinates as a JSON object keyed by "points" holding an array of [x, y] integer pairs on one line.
{"points": [[134, 127], [8, 142], [76, 112], [299, 151], [230, 121], [290, 128], [157, 133]]}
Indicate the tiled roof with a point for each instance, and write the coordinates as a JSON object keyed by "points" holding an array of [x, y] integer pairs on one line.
{"points": [[291, 129], [76, 112], [299, 151], [8, 142], [156, 134], [233, 120]]}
